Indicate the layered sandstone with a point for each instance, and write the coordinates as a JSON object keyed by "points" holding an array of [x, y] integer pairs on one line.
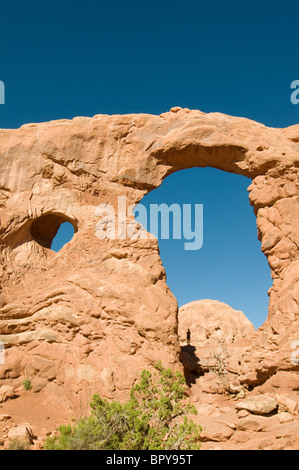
{"points": [[212, 334], [90, 317], [211, 322]]}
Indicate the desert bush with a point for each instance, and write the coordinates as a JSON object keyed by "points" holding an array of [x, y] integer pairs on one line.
{"points": [[154, 418], [18, 444], [27, 384], [218, 366]]}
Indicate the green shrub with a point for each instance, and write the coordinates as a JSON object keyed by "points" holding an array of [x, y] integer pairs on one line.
{"points": [[154, 418], [27, 384]]}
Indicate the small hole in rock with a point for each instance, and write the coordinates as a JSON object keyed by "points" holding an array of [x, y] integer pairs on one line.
{"points": [[64, 235], [53, 230]]}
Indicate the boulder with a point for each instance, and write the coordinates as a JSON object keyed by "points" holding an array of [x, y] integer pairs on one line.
{"points": [[22, 432], [289, 404], [6, 392], [216, 431], [4, 417], [260, 405]]}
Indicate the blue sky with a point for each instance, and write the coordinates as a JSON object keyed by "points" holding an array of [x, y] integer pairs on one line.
{"points": [[62, 59], [230, 266]]}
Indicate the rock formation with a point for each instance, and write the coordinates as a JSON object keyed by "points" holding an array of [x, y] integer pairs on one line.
{"points": [[212, 337], [211, 321], [91, 316], [210, 334]]}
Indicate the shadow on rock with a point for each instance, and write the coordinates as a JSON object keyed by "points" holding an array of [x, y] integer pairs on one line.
{"points": [[191, 364]]}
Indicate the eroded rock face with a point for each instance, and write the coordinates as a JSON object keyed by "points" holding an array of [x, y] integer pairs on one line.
{"points": [[90, 317], [211, 334], [211, 322]]}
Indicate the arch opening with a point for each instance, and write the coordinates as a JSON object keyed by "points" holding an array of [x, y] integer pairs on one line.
{"points": [[53, 230], [63, 236], [229, 266]]}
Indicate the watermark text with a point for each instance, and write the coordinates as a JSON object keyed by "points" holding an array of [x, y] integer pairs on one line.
{"points": [[2, 353], [159, 220], [295, 94], [2, 92], [295, 353]]}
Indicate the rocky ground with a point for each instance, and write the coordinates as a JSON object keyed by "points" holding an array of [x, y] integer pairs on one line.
{"points": [[235, 424], [257, 422], [232, 416]]}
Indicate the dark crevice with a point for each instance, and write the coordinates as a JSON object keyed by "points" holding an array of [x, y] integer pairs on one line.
{"points": [[44, 228]]}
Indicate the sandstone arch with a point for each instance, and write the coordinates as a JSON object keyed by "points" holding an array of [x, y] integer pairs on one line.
{"points": [[90, 320], [44, 228], [229, 227]]}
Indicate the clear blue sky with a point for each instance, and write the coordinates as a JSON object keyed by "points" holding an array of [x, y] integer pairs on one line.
{"points": [[230, 266], [65, 59]]}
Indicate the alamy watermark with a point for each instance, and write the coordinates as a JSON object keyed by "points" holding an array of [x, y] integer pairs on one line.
{"points": [[295, 353], [2, 353], [295, 95], [2, 92], [184, 222]]}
